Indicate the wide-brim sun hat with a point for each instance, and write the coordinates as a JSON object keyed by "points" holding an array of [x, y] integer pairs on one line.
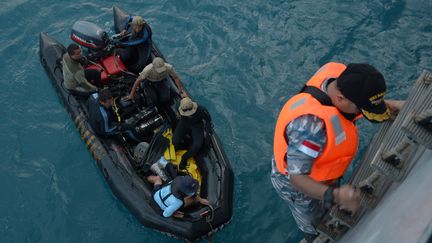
{"points": [[187, 107], [159, 65]]}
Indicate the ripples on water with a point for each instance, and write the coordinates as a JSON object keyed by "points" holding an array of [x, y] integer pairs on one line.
{"points": [[240, 59]]}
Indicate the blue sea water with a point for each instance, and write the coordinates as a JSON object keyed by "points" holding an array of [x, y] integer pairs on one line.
{"points": [[241, 59]]}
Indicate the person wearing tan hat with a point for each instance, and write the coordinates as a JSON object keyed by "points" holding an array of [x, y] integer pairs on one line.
{"points": [[137, 47], [316, 139], [156, 86], [192, 117]]}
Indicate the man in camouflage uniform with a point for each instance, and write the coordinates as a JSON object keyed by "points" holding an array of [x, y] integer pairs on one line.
{"points": [[352, 92], [305, 210]]}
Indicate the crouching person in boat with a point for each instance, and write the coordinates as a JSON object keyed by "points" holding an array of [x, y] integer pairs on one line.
{"points": [[192, 118], [155, 82], [102, 116], [75, 77], [179, 193]]}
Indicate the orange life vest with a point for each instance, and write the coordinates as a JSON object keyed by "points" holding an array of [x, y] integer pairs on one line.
{"points": [[342, 137]]}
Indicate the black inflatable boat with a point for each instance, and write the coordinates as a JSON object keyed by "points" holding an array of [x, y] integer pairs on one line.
{"points": [[115, 158]]}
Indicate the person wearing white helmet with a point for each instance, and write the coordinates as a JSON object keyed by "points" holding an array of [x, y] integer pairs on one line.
{"points": [[137, 48], [156, 86]]}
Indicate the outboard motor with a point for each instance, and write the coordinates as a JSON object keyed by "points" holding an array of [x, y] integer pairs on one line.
{"points": [[89, 35]]}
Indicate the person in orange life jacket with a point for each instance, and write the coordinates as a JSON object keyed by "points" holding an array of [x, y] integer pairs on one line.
{"points": [[137, 47], [178, 194], [191, 121], [102, 119], [315, 139]]}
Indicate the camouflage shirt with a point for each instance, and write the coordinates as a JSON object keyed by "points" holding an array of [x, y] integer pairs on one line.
{"points": [[306, 138]]}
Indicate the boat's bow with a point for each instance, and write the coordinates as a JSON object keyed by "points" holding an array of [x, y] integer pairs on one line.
{"points": [[120, 19], [50, 52]]}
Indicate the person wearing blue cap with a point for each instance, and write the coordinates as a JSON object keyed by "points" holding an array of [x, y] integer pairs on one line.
{"points": [[180, 193]]}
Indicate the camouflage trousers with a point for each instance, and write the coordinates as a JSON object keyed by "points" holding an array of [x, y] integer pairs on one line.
{"points": [[306, 211]]}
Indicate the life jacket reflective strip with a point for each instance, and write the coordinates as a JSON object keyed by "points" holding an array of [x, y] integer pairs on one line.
{"points": [[163, 199], [116, 110], [169, 194], [342, 137], [169, 187]]}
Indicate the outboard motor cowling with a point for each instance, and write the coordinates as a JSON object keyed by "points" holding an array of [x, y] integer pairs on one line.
{"points": [[89, 35]]}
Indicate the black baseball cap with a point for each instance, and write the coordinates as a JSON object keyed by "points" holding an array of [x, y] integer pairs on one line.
{"points": [[365, 87]]}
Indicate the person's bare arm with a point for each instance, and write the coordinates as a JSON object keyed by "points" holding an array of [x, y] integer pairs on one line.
{"points": [[134, 87], [202, 200], [178, 214], [395, 105], [308, 186], [178, 83], [346, 196]]}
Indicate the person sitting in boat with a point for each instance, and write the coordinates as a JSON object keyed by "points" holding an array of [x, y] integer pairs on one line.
{"points": [[192, 117], [156, 86], [180, 193], [74, 75], [102, 116], [137, 47]]}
